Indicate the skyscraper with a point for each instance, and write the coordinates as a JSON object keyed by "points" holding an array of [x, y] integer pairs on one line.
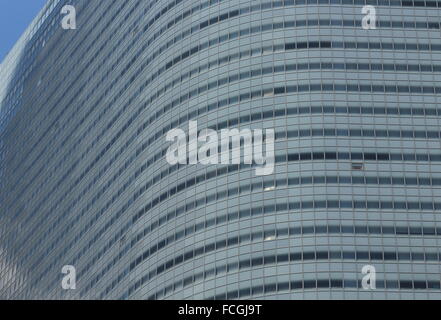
{"points": [[84, 180]]}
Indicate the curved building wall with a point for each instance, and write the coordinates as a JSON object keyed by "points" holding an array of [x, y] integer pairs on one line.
{"points": [[357, 152]]}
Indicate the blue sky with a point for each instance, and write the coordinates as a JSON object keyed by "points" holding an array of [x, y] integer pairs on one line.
{"points": [[15, 16]]}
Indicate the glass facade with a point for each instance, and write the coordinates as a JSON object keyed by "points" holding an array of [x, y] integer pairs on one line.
{"points": [[84, 179]]}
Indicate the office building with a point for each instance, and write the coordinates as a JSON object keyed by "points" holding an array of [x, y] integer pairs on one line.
{"points": [[357, 180]]}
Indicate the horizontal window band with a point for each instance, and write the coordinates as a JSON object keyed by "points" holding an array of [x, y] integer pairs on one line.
{"points": [[297, 257], [318, 284], [283, 258]]}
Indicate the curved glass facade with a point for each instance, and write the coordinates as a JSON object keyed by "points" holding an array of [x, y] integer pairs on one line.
{"points": [[84, 179]]}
